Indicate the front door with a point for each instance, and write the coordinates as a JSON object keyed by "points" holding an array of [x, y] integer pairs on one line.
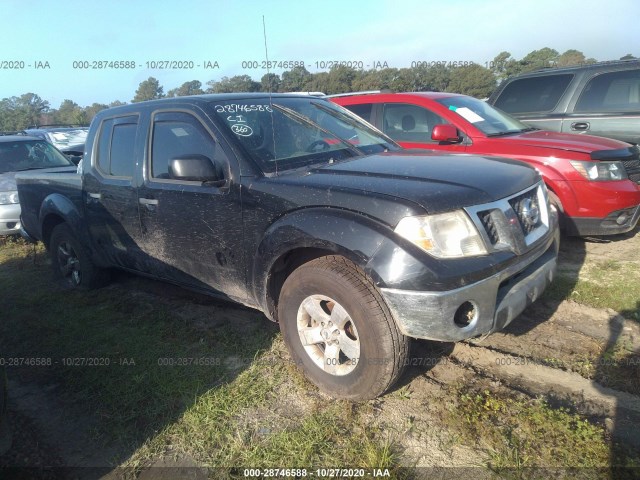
{"points": [[192, 232], [411, 126]]}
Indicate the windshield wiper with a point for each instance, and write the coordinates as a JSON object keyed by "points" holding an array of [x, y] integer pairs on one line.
{"points": [[529, 129], [307, 121], [30, 168], [40, 168], [500, 134]]}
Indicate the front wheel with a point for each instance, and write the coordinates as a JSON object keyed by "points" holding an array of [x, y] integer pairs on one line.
{"points": [[71, 262], [339, 330]]}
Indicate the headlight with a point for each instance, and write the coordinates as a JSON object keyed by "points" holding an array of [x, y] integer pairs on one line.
{"points": [[7, 198], [600, 171], [447, 235]]}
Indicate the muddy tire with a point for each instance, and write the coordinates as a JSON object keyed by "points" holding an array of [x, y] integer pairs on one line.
{"points": [[71, 263], [339, 330]]}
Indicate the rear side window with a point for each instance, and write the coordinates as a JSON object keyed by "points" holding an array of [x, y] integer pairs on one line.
{"points": [[116, 144], [611, 92], [409, 123], [535, 94], [363, 110]]}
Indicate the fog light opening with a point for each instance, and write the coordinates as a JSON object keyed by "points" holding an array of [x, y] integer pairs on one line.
{"points": [[622, 219], [465, 314]]}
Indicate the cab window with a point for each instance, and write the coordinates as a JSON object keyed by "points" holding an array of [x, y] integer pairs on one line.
{"points": [[176, 134], [116, 144]]}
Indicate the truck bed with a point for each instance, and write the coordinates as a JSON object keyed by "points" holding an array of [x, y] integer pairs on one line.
{"points": [[35, 186]]}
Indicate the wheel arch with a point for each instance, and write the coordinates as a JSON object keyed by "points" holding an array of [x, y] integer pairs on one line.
{"points": [[306, 235], [55, 209]]}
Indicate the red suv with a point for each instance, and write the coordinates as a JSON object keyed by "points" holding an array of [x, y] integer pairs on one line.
{"points": [[593, 181]]}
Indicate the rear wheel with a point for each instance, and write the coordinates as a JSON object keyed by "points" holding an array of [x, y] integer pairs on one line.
{"points": [[339, 330], [71, 262]]}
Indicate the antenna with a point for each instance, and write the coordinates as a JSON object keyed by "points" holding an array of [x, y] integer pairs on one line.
{"points": [[273, 130]]}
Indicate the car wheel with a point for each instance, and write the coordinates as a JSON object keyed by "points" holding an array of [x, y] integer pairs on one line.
{"points": [[339, 330], [71, 263]]}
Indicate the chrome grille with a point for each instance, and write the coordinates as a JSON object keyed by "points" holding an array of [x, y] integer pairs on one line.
{"points": [[633, 169], [513, 223], [489, 226]]}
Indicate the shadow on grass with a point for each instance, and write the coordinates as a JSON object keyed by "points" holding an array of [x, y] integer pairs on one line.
{"points": [[105, 371]]}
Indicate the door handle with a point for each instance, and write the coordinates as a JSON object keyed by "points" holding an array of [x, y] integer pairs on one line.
{"points": [[92, 198], [580, 126], [150, 203]]}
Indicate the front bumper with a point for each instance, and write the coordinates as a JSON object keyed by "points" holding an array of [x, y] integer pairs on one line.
{"points": [[477, 309], [10, 219], [610, 225]]}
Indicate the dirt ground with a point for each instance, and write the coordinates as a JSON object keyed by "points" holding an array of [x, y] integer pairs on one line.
{"points": [[555, 349]]}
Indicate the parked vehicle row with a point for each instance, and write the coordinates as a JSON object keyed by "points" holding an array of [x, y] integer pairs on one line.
{"points": [[292, 205], [69, 139]]}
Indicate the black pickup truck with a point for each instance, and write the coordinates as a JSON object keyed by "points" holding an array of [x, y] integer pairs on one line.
{"points": [[293, 206]]}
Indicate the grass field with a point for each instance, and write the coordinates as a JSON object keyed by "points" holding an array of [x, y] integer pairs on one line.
{"points": [[154, 372]]}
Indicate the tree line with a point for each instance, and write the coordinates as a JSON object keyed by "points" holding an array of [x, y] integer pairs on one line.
{"points": [[18, 113]]}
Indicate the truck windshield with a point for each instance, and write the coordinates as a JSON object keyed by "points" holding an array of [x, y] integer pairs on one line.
{"points": [[290, 132], [30, 155], [489, 120]]}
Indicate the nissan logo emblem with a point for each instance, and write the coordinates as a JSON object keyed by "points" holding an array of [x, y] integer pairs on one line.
{"points": [[530, 212]]}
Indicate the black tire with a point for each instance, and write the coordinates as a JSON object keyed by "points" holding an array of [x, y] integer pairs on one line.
{"points": [[335, 290], [71, 263]]}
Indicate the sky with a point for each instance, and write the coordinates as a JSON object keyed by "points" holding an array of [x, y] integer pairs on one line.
{"points": [[50, 41]]}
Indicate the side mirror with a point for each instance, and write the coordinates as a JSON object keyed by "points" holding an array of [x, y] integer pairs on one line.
{"points": [[445, 133], [195, 168]]}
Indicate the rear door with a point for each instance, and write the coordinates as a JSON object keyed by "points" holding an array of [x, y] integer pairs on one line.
{"points": [[608, 106], [110, 194], [192, 233]]}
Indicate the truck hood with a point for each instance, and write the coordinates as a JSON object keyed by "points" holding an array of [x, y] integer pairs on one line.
{"points": [[563, 141], [436, 182]]}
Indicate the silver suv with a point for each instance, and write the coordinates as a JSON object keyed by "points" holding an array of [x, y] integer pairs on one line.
{"points": [[17, 154], [596, 99]]}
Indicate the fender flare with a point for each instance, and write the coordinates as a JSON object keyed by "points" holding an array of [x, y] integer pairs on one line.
{"points": [[319, 231]]}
